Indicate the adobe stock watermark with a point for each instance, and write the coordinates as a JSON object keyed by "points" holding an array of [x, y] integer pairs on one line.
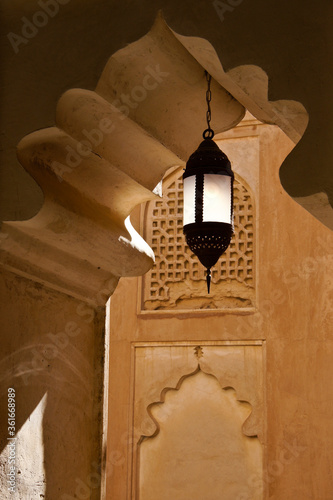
{"points": [[224, 7], [116, 458], [288, 454], [291, 280], [53, 344], [43, 353], [31, 27], [3, 237], [95, 136]]}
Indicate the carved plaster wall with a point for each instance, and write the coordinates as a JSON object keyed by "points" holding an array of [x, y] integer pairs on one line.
{"points": [[108, 149], [200, 412], [200, 446], [152, 352]]}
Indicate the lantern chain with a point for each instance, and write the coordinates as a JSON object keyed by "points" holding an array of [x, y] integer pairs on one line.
{"points": [[208, 133]]}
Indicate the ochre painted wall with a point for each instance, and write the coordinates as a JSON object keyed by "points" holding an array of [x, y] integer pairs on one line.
{"points": [[52, 355], [292, 320]]}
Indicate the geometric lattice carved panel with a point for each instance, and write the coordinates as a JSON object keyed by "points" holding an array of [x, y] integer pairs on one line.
{"points": [[177, 279]]}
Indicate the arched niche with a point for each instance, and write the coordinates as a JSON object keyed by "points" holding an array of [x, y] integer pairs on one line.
{"points": [[199, 450]]}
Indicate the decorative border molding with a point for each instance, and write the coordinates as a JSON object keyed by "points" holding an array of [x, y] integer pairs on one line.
{"points": [[246, 390]]}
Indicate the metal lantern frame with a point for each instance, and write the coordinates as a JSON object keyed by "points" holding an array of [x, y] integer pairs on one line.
{"points": [[208, 170]]}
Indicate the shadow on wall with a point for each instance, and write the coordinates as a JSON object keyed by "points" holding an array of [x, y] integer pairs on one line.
{"points": [[54, 368]]}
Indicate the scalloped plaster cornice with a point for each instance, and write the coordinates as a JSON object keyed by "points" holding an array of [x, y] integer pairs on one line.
{"points": [[110, 148]]}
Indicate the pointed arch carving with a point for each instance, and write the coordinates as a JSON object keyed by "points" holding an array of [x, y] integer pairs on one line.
{"points": [[166, 390], [159, 366], [199, 444]]}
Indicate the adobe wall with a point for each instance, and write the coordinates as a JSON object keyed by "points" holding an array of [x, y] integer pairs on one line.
{"points": [[275, 354], [52, 355]]}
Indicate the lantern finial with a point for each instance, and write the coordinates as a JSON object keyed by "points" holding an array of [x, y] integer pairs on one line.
{"points": [[208, 279]]}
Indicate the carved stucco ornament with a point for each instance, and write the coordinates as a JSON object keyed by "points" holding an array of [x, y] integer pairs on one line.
{"points": [[201, 442], [234, 365], [111, 146]]}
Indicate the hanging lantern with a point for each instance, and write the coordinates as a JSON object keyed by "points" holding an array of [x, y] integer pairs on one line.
{"points": [[208, 199]]}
